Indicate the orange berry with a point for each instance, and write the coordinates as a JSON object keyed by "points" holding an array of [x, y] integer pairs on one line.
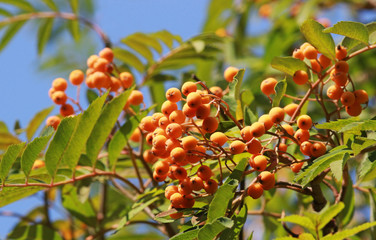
{"points": [[66, 110], [257, 129], [203, 111], [76, 77], [288, 128], [267, 180], [178, 154], [194, 156], [260, 162], [304, 122], [354, 110], [171, 143], [301, 135], [217, 91], [298, 54], [176, 199], [159, 142], [136, 98], [290, 109], [149, 157], [107, 54], [194, 100], [188, 111], [173, 95], [180, 173], [170, 190], [197, 183], [51, 91], [361, 96], [188, 201], [305, 148], [185, 187], [340, 78], [149, 138], [115, 84], [318, 149], [282, 147], [163, 122], [341, 52], [174, 130], [59, 97], [90, 81], [168, 107], [237, 147], [341, 66], [176, 116], [176, 215], [310, 52], [101, 65], [100, 80], [347, 98], [210, 124], [91, 60], [324, 61], [38, 164], [300, 77], [147, 125], [315, 66], [211, 186], [89, 71], [296, 167], [204, 172], [255, 190], [218, 138], [265, 10], [60, 84], [254, 146], [188, 87], [305, 45], [334, 92], [53, 121], [155, 118], [126, 79], [267, 121], [189, 142], [230, 73], [159, 178], [161, 167], [246, 133], [277, 114], [267, 86]]}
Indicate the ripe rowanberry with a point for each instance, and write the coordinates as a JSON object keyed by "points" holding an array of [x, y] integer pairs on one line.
{"points": [[230, 73], [255, 190], [173, 95], [304, 122], [300, 77], [267, 86]]}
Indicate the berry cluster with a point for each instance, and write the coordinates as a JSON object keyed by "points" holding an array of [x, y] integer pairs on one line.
{"points": [[101, 74]]}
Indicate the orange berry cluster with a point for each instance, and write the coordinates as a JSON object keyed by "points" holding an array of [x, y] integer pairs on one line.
{"points": [[100, 74], [351, 100]]}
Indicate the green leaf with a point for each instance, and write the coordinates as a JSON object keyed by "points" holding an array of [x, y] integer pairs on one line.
{"points": [[349, 232], [148, 40], [35, 232], [74, 4], [323, 42], [336, 125], [288, 65], [157, 92], [300, 220], [121, 137], [249, 116], [239, 221], [280, 90], [368, 167], [77, 142], [7, 139], [372, 199], [337, 169], [321, 163], [44, 33], [3, 127], [8, 159], [327, 215], [83, 211], [239, 108], [361, 143], [139, 47], [211, 230], [36, 122], [10, 32], [219, 204], [237, 173], [354, 30], [9, 195], [21, 4], [129, 58], [105, 124], [59, 143], [5, 13], [166, 37], [32, 151], [51, 4], [188, 235], [91, 95], [347, 213]]}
